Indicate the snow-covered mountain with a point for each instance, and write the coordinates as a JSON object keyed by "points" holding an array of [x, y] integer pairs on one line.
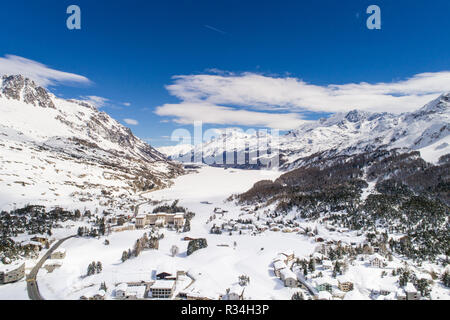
{"points": [[66, 151], [425, 130]]}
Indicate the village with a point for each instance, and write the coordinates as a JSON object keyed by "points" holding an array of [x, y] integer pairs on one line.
{"points": [[208, 248]]}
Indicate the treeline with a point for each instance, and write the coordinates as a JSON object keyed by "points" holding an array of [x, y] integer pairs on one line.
{"points": [[31, 219]]}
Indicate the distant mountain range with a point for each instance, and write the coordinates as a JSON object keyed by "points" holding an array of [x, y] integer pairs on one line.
{"points": [[425, 130], [64, 151]]}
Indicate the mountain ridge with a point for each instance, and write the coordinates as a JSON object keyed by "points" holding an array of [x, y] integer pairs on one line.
{"points": [[425, 129], [37, 127]]}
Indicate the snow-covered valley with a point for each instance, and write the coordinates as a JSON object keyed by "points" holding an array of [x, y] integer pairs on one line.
{"points": [[212, 270]]}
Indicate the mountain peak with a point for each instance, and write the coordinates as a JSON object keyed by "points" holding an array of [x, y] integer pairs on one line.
{"points": [[356, 115], [439, 105], [18, 87]]}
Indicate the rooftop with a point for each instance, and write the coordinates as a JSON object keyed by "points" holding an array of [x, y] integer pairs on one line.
{"points": [[163, 284], [10, 267]]}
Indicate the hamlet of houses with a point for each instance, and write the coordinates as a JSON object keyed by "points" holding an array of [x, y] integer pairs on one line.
{"points": [[324, 284]]}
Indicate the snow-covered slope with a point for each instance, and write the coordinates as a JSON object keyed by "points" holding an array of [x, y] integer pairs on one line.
{"points": [[426, 130], [66, 151]]}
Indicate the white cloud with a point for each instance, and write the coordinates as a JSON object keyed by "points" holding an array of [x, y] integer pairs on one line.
{"points": [[131, 122], [96, 101], [38, 72], [255, 91], [126, 104], [188, 113]]}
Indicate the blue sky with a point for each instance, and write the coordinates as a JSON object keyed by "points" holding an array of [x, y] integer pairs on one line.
{"points": [[243, 63]]}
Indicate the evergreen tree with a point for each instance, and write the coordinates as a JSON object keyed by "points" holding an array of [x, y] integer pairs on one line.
{"points": [[124, 256], [99, 267]]}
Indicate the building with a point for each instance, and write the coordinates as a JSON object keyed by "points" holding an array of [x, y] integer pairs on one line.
{"points": [[289, 278], [401, 295], [121, 291], [135, 292], [32, 246], [141, 221], [44, 241], [162, 289], [411, 292], [377, 261], [58, 254], [160, 220], [99, 295], [325, 284], [124, 227], [51, 265], [278, 266], [12, 272], [234, 293], [289, 255], [345, 284], [130, 291]]}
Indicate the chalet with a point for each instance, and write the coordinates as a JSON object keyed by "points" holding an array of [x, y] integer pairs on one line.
{"points": [[162, 289], [345, 284], [42, 240], [58, 254], [32, 245], [51, 265], [121, 291], [12, 273], [325, 284], [377, 261], [411, 292], [289, 278], [278, 266]]}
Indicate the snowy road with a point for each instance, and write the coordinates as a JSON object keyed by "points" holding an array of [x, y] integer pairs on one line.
{"points": [[32, 286]]}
